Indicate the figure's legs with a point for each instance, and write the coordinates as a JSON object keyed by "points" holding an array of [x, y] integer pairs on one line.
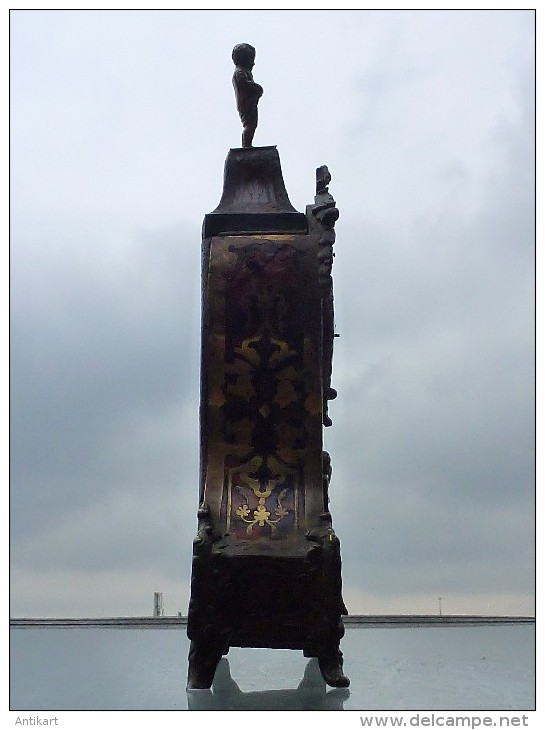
{"points": [[249, 125], [248, 135]]}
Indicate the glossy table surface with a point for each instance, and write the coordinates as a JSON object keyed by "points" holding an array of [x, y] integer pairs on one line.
{"points": [[404, 667]]}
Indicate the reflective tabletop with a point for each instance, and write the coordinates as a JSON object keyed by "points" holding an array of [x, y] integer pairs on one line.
{"points": [[403, 667]]}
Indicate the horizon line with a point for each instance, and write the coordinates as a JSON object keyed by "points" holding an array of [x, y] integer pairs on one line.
{"points": [[354, 619]]}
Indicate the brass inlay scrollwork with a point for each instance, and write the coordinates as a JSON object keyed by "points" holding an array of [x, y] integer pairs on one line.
{"points": [[248, 349], [261, 514]]}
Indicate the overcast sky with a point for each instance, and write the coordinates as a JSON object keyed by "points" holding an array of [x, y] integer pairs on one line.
{"points": [[120, 125]]}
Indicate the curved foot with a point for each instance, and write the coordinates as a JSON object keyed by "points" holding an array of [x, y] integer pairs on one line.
{"points": [[202, 667], [332, 670]]}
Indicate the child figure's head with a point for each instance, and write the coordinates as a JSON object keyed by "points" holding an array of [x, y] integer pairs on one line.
{"points": [[244, 56]]}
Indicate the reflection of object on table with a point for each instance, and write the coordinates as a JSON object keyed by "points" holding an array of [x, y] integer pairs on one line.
{"points": [[310, 694]]}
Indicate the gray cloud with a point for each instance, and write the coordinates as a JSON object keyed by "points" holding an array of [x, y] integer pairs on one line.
{"points": [[120, 125]]}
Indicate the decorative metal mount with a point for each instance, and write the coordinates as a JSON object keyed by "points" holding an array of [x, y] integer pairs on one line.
{"points": [[327, 214]]}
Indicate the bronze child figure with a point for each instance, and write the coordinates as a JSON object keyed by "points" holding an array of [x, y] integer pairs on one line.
{"points": [[247, 92]]}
